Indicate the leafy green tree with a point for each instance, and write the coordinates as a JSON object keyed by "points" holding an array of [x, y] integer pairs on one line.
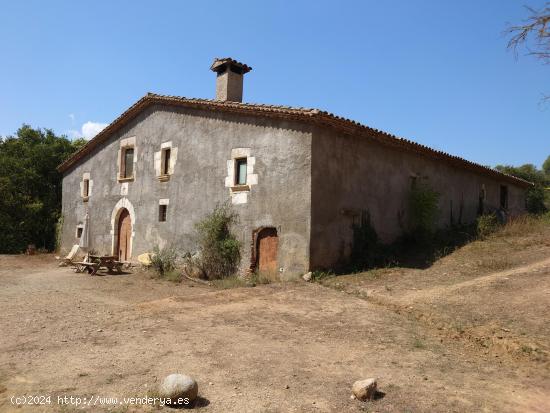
{"points": [[536, 195], [30, 187], [546, 168]]}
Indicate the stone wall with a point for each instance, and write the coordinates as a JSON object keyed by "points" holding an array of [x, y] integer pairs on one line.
{"points": [[203, 144], [353, 173]]}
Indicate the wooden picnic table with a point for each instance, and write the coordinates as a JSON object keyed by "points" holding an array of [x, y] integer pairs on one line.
{"points": [[106, 261], [96, 262]]}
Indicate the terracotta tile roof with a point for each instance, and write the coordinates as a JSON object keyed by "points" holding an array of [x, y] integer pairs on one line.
{"points": [[218, 61], [314, 116]]}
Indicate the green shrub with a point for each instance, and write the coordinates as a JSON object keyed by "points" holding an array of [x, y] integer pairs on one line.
{"points": [[535, 200], [173, 275], [59, 233], [486, 225], [219, 251], [321, 275], [163, 260], [423, 211]]}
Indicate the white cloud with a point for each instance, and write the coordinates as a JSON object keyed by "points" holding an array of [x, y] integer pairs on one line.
{"points": [[88, 130], [71, 115]]}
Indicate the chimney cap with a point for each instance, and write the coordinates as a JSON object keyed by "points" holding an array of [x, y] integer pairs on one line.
{"points": [[220, 62]]}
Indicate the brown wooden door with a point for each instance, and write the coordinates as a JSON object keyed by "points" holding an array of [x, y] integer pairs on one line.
{"points": [[268, 243], [124, 234]]}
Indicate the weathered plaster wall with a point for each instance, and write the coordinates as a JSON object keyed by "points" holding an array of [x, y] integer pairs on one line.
{"points": [[280, 197], [351, 173]]}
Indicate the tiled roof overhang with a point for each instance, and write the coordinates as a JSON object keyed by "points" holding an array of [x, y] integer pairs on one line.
{"points": [[313, 116]]}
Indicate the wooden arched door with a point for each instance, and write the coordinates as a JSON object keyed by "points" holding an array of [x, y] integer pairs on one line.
{"points": [[124, 235], [266, 249]]}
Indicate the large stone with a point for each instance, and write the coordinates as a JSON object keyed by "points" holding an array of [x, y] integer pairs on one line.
{"points": [[145, 259], [179, 386], [364, 389], [307, 276]]}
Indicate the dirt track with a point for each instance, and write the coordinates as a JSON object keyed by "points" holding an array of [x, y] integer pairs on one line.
{"points": [[71, 334]]}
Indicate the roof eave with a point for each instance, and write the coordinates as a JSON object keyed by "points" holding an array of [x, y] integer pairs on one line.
{"points": [[303, 114]]}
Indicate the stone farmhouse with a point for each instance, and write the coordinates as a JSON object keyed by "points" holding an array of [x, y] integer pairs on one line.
{"points": [[298, 179]]}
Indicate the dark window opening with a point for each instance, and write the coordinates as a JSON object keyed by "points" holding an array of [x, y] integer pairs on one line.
{"points": [[481, 202], [503, 196], [86, 188], [240, 171], [414, 179], [166, 161], [127, 163], [79, 232], [162, 212]]}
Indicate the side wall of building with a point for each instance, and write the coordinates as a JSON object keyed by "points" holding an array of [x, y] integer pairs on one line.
{"points": [[205, 144], [351, 174]]}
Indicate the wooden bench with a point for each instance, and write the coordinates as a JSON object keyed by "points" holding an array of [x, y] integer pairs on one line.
{"points": [[91, 267]]}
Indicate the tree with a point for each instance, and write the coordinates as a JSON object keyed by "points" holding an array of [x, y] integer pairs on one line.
{"points": [[536, 195], [534, 31], [546, 168], [30, 187]]}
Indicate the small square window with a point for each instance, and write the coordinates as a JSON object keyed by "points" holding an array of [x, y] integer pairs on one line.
{"points": [[166, 153], [79, 232], [127, 163], [162, 213], [240, 171]]}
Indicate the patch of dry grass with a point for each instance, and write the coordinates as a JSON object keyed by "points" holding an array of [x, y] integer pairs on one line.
{"points": [[525, 225], [236, 281]]}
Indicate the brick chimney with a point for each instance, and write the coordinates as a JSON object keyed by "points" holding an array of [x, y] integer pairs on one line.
{"points": [[229, 79]]}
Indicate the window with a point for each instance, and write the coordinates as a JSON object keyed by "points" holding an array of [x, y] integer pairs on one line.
{"points": [[79, 232], [165, 161], [240, 171], [86, 188], [127, 163], [481, 201], [162, 212], [503, 196]]}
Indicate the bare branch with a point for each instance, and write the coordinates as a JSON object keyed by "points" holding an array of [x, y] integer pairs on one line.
{"points": [[536, 29]]}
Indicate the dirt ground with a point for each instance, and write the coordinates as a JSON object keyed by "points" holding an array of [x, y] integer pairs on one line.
{"points": [[290, 347]]}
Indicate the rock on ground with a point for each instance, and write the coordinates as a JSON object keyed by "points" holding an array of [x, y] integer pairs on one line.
{"points": [[177, 386], [364, 389]]}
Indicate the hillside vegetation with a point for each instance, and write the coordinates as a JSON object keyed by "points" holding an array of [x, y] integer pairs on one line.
{"points": [[492, 293]]}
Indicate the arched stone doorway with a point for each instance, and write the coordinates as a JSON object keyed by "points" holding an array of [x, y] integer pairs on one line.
{"points": [[123, 213], [123, 235]]}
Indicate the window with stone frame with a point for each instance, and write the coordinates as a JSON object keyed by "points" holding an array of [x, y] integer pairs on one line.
{"points": [[165, 160], [127, 163], [85, 189]]}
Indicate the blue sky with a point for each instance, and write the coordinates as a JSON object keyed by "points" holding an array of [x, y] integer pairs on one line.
{"points": [[436, 72]]}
